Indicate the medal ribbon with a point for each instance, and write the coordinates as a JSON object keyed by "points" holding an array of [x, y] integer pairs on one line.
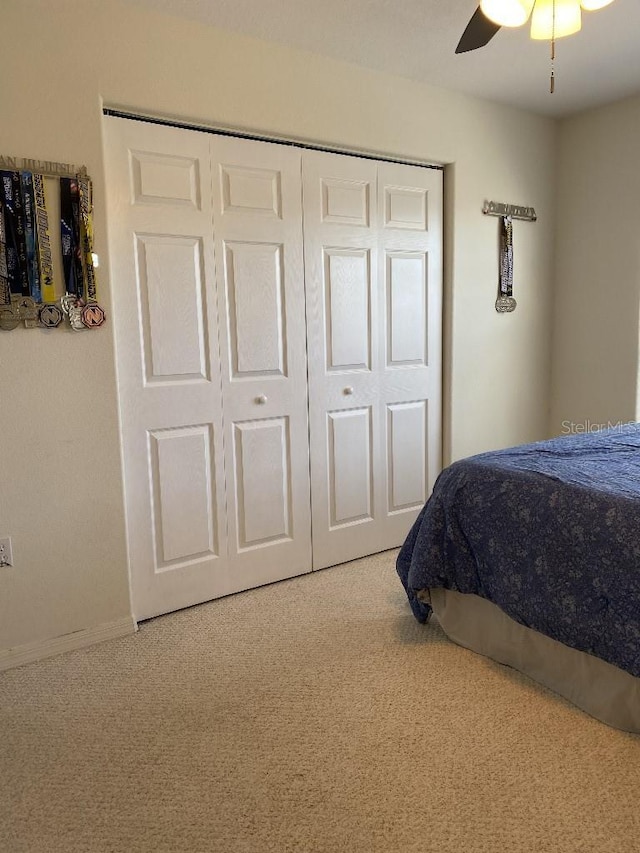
{"points": [[86, 227], [5, 292], [506, 256], [70, 237], [31, 236], [43, 241], [78, 260], [16, 251]]}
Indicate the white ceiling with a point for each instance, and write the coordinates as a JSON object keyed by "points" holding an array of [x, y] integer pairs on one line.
{"points": [[417, 39]]}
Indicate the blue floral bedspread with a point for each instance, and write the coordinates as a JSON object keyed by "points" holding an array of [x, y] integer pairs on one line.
{"points": [[550, 532]]}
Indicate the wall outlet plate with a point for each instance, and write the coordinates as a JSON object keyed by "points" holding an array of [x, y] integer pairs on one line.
{"points": [[6, 554]]}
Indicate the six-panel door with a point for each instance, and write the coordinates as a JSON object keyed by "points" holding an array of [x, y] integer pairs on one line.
{"points": [[260, 283], [208, 283], [374, 290]]}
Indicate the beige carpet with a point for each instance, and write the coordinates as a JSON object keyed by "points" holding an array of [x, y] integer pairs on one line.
{"points": [[313, 716]]}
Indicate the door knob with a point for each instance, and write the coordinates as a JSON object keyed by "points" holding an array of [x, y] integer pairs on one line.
{"points": [[261, 400], [348, 390]]}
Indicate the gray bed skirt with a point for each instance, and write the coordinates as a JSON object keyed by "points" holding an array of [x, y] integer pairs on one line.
{"points": [[606, 692]]}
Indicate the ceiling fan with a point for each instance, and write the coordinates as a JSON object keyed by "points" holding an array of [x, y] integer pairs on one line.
{"points": [[550, 19]]}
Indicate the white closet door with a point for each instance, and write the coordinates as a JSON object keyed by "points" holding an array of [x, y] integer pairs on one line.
{"points": [[208, 284], [211, 369], [410, 342], [166, 325], [260, 281], [374, 288]]}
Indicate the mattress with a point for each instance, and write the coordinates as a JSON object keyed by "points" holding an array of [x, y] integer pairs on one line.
{"points": [[547, 533]]}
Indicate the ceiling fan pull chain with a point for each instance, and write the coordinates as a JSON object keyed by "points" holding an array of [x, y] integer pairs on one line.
{"points": [[552, 82]]}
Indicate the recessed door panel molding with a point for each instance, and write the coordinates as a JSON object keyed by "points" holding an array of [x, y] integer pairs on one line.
{"points": [[183, 495], [172, 307], [346, 202], [350, 449], [262, 455], [256, 309], [407, 455], [249, 190], [166, 179], [407, 323], [406, 207], [348, 309]]}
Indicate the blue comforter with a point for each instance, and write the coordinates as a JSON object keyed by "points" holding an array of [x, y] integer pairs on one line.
{"points": [[550, 532]]}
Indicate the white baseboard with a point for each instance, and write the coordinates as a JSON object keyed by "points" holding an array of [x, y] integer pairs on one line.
{"points": [[31, 652]]}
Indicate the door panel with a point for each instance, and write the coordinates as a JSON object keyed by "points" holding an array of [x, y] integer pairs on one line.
{"points": [[407, 455], [348, 309], [217, 493], [350, 467], [171, 295], [166, 326], [343, 316], [262, 450], [254, 290], [404, 207], [166, 179], [410, 247], [245, 189], [182, 476], [258, 238], [346, 202], [374, 290], [407, 321]]}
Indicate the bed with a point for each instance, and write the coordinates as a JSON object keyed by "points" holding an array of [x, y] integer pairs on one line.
{"points": [[531, 556]]}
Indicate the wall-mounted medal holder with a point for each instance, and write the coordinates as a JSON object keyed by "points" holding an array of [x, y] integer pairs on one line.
{"points": [[515, 211], [29, 295], [505, 302]]}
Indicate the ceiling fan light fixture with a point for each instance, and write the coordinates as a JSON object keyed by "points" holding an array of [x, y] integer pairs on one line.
{"points": [[593, 5], [567, 14], [509, 13]]}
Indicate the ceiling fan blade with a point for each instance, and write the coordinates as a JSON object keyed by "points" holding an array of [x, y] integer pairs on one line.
{"points": [[480, 30]]}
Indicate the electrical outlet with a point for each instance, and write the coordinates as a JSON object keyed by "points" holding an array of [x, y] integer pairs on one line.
{"points": [[6, 555]]}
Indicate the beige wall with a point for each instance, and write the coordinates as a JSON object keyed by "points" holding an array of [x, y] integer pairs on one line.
{"points": [[61, 492], [595, 341]]}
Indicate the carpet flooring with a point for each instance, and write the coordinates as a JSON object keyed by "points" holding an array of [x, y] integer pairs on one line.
{"points": [[311, 716]]}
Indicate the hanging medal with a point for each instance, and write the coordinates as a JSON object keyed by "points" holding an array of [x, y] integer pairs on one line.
{"points": [[27, 289], [73, 300], [92, 314], [505, 303]]}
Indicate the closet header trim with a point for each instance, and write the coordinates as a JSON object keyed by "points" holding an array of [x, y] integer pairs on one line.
{"points": [[220, 131]]}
